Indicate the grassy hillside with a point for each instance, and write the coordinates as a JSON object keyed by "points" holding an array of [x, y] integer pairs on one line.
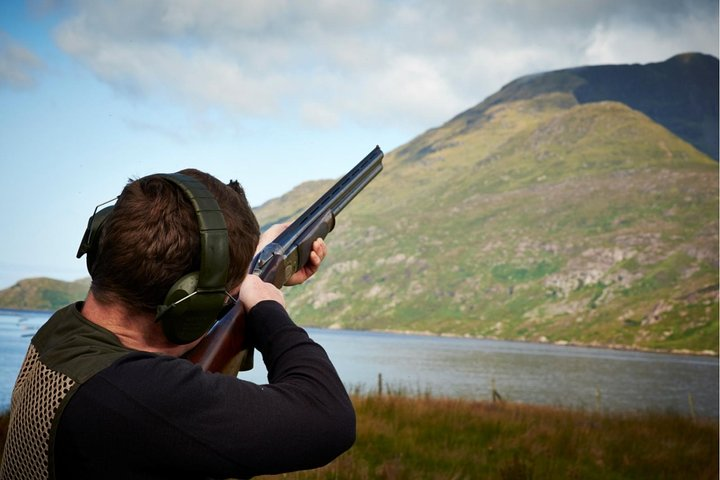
{"points": [[540, 219]]}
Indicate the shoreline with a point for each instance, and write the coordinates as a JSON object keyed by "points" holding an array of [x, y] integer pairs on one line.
{"points": [[559, 343]]}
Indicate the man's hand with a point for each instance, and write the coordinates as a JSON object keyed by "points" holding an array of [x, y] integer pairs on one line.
{"points": [[313, 264], [253, 291], [317, 255]]}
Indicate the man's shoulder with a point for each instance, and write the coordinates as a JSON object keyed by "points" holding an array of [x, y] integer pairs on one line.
{"points": [[72, 345]]}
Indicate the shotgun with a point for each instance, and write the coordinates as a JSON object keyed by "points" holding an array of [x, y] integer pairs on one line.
{"points": [[225, 349]]}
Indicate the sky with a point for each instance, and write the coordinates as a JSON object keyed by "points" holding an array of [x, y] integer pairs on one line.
{"points": [[269, 92]]}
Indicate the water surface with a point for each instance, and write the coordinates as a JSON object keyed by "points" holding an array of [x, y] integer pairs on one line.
{"points": [[589, 378]]}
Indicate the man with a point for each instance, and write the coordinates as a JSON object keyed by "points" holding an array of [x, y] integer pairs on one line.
{"points": [[104, 392]]}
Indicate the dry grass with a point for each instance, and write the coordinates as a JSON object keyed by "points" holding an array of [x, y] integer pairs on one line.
{"points": [[409, 438]]}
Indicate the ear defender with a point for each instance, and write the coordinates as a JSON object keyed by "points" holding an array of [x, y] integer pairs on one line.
{"points": [[196, 300], [91, 238]]}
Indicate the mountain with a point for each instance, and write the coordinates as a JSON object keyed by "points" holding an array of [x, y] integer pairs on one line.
{"points": [[680, 93], [537, 215], [43, 293]]}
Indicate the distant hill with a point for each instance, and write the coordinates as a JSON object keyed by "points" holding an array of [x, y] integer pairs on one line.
{"points": [[532, 216], [43, 293]]}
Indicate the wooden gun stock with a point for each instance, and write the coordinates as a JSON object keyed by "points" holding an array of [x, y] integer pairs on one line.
{"points": [[225, 348]]}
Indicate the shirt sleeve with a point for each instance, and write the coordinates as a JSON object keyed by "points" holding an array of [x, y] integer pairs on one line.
{"points": [[166, 415]]}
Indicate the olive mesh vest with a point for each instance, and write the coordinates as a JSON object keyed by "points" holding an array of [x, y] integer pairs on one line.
{"points": [[64, 353]]}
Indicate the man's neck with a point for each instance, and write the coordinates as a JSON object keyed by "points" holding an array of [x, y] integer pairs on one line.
{"points": [[135, 331]]}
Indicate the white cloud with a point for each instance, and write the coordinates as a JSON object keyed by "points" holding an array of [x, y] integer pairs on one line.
{"points": [[623, 42], [328, 62], [18, 65], [318, 115], [409, 89]]}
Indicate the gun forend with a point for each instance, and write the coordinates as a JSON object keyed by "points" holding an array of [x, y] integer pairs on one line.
{"points": [[291, 249]]}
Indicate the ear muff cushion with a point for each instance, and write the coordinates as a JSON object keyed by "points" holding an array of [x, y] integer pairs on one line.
{"points": [[91, 238], [187, 314]]}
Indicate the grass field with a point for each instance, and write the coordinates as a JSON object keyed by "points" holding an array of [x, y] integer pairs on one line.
{"points": [[409, 437]]}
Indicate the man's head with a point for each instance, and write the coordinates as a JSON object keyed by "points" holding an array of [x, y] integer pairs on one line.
{"points": [[152, 238]]}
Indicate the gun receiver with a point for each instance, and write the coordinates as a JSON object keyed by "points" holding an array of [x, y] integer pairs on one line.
{"points": [[224, 348]]}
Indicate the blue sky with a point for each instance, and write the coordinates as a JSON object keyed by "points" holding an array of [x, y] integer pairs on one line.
{"points": [[268, 92]]}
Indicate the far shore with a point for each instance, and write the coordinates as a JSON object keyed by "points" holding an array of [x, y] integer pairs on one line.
{"points": [[559, 343]]}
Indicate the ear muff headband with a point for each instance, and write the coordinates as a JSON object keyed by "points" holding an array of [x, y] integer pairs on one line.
{"points": [[214, 250], [196, 300]]}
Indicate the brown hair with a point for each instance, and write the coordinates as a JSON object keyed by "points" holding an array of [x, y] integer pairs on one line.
{"points": [[152, 238]]}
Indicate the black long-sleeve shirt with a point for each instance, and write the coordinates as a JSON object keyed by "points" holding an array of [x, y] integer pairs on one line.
{"points": [[150, 416]]}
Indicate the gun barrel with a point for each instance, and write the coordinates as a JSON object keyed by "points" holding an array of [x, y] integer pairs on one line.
{"points": [[337, 197]]}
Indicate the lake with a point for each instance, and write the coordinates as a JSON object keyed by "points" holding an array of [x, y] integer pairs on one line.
{"points": [[578, 377]]}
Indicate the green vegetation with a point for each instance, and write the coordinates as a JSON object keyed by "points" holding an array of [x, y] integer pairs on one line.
{"points": [[506, 273], [427, 438]]}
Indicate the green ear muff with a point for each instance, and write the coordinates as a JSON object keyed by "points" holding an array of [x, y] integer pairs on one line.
{"points": [[196, 300], [189, 312], [91, 239]]}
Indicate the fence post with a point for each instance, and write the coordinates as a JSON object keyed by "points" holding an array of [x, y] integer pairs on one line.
{"points": [[691, 403], [496, 397]]}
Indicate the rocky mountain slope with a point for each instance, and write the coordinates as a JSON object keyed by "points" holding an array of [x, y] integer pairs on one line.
{"points": [[534, 217]]}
